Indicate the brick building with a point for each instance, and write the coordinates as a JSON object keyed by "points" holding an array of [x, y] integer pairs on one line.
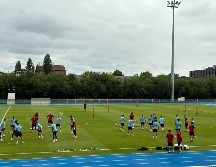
{"points": [[55, 68]]}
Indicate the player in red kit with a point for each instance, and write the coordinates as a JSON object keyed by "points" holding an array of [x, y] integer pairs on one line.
{"points": [[179, 139], [33, 123], [85, 105], [169, 138], [49, 118], [131, 116], [36, 116], [191, 131]]}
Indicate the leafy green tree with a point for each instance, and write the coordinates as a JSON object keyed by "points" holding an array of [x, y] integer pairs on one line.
{"points": [[37, 69], [18, 66], [30, 66], [118, 73], [47, 64]]}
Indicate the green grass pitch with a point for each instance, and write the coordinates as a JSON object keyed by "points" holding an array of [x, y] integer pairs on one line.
{"points": [[97, 133]]}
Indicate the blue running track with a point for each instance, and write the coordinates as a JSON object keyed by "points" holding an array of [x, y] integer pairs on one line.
{"points": [[184, 159]]}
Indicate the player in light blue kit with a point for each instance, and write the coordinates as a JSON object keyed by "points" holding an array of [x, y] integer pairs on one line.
{"points": [[54, 131], [12, 124], [178, 125], [58, 123], [142, 121], [130, 127], [39, 130], [18, 132], [122, 122], [155, 129], [3, 126], [162, 122]]}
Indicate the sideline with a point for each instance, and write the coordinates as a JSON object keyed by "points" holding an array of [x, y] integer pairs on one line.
{"points": [[5, 115]]}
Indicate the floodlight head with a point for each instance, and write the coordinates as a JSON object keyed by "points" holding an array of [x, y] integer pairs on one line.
{"points": [[176, 2], [168, 2]]}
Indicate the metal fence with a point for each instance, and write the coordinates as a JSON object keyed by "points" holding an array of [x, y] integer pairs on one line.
{"points": [[113, 101]]}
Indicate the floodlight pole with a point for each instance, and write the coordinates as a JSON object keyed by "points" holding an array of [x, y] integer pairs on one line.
{"points": [[173, 4]]}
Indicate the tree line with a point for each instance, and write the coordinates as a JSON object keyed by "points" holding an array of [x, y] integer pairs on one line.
{"points": [[104, 85]]}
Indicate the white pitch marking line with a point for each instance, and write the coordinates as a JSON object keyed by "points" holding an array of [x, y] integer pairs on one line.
{"points": [[117, 160], [99, 157], [165, 162], [98, 161], [122, 164], [187, 161], [186, 157], [139, 159], [210, 160], [62, 163], [144, 163]]}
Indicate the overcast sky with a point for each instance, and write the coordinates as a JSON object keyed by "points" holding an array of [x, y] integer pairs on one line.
{"points": [[132, 36]]}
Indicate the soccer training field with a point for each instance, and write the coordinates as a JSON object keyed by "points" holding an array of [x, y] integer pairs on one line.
{"points": [[98, 132]]}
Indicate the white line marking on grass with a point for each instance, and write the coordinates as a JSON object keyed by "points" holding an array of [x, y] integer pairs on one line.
{"points": [[23, 153], [212, 145], [4, 154], [103, 149], [44, 152], [125, 148], [5, 114]]}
